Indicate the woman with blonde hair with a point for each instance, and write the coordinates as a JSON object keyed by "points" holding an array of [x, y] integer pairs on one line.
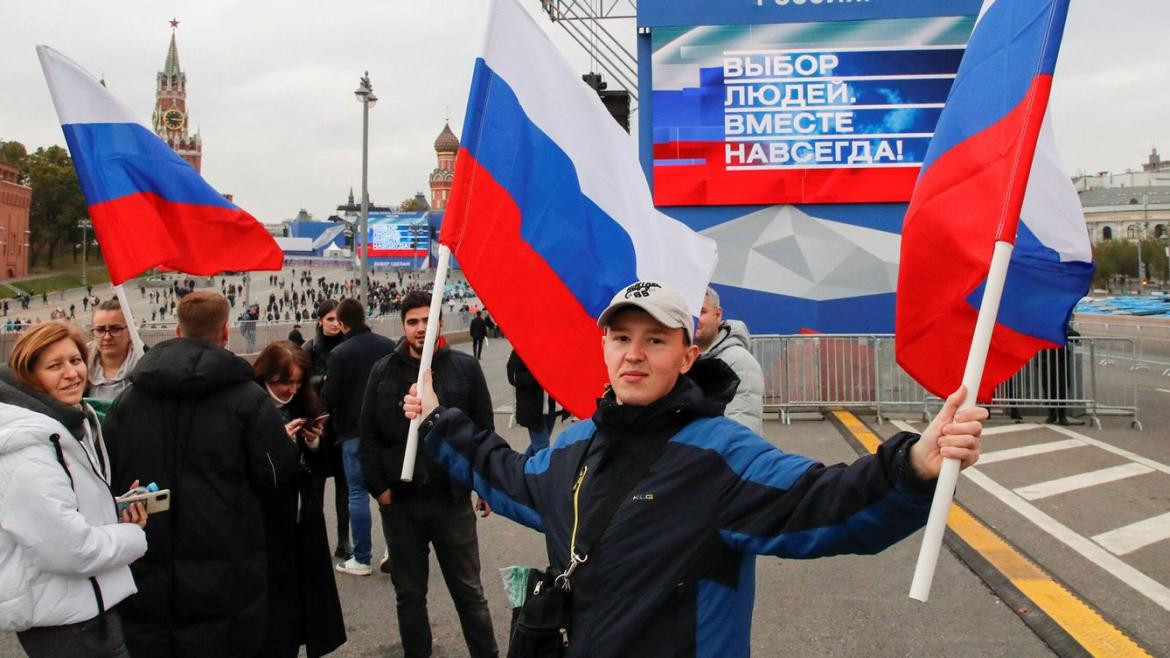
{"points": [[64, 555]]}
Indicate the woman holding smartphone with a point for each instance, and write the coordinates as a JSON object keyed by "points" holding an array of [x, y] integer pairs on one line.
{"points": [[64, 553], [327, 337], [303, 607]]}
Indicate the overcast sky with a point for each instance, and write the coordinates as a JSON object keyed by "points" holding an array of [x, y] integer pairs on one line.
{"points": [[270, 84]]}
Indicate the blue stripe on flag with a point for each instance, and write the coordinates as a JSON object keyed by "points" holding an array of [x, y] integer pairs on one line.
{"points": [[1037, 285], [590, 252], [115, 160], [1000, 66]]}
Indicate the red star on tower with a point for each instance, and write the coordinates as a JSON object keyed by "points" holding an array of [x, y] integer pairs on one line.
{"points": [[174, 22]]}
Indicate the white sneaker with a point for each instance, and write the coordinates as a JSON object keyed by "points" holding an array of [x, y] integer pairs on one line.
{"points": [[353, 567], [384, 565]]}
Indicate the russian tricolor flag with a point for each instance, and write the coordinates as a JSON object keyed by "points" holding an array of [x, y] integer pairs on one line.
{"points": [[992, 174], [550, 213], [149, 207]]}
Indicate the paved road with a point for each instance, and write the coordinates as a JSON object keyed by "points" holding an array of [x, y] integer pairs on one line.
{"points": [[1090, 506]]}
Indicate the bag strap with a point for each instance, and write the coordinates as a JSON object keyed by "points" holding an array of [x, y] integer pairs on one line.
{"points": [[645, 452], [55, 439]]}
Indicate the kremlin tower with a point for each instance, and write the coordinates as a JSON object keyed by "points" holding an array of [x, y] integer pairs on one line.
{"points": [[170, 118]]}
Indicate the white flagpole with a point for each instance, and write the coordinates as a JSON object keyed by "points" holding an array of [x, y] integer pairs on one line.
{"points": [[428, 353], [135, 339], [948, 477]]}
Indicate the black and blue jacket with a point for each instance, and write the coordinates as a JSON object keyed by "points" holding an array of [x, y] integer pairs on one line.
{"points": [[673, 574]]}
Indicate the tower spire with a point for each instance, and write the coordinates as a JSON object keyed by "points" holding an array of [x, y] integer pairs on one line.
{"points": [[171, 67]]}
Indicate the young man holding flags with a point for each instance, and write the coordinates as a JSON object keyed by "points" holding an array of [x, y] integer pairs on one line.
{"points": [[672, 572]]}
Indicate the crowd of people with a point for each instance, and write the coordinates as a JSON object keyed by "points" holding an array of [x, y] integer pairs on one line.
{"points": [[294, 301], [240, 563]]}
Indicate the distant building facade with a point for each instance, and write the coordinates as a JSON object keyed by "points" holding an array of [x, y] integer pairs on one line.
{"points": [[15, 200], [170, 120], [1127, 206]]}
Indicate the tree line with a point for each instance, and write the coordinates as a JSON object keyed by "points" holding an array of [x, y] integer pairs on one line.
{"points": [[57, 201], [1118, 260]]}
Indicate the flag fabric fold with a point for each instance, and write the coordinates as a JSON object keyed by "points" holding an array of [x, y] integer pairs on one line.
{"points": [[550, 213], [149, 207], [992, 173]]}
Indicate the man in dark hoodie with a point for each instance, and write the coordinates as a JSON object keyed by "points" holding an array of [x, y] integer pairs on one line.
{"points": [[195, 422], [431, 509], [672, 573], [344, 388]]}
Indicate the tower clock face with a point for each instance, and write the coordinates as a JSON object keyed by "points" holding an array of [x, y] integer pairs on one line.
{"points": [[174, 119]]}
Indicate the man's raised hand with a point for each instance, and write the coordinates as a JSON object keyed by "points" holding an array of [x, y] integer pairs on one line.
{"points": [[420, 406]]}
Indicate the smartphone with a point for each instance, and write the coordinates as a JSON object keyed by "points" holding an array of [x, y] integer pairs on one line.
{"points": [[319, 420], [155, 501]]}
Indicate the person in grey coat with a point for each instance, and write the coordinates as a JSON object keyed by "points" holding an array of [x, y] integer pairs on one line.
{"points": [[730, 342]]}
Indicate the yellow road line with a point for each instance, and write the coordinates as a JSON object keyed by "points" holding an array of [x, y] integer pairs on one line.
{"points": [[1083, 624]]}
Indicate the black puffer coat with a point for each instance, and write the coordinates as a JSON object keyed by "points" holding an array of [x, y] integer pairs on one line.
{"points": [[196, 423], [531, 402]]}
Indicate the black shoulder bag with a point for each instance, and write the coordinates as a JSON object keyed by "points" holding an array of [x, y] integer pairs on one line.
{"points": [[542, 629]]}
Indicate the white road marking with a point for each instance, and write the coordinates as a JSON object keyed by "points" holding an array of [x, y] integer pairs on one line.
{"points": [[903, 426], [1128, 539], [1140, 582], [1120, 452], [1082, 481], [1028, 451], [1005, 429], [1162, 390]]}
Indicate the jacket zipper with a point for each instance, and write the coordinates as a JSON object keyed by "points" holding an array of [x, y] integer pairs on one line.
{"points": [[576, 495]]}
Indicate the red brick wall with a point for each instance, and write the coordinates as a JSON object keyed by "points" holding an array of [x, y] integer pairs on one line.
{"points": [[14, 204]]}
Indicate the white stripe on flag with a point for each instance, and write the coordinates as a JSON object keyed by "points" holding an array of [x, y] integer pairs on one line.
{"points": [[557, 101], [77, 95], [1052, 210]]}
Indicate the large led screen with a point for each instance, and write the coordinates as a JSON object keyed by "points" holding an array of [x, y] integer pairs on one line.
{"points": [[798, 113], [400, 241]]}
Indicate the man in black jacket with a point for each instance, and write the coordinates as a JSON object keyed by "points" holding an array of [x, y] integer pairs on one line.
{"points": [[431, 508], [195, 422], [673, 571], [478, 331], [535, 409], [343, 391]]}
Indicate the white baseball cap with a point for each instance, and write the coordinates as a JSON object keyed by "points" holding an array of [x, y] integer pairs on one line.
{"points": [[662, 302]]}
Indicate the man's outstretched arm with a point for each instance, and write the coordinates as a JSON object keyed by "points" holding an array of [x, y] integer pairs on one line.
{"points": [[776, 503], [477, 457]]}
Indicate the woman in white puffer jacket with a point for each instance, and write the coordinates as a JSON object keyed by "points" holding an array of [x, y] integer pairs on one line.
{"points": [[64, 555]]}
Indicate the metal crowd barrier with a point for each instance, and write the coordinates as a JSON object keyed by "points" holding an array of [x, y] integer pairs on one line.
{"points": [[1090, 377]]}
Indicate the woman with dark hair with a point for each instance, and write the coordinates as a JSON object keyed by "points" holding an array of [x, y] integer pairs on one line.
{"points": [[65, 555], [327, 337], [303, 607], [319, 347]]}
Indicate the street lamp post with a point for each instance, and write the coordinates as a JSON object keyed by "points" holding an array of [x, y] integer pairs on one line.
{"points": [[365, 96], [84, 224]]}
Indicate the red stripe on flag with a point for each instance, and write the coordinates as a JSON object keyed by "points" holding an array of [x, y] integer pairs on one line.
{"points": [[141, 231], [957, 215], [550, 330], [712, 184]]}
